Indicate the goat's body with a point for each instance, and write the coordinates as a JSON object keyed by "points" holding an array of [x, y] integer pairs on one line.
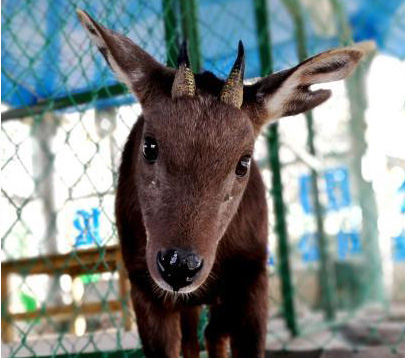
{"points": [[190, 218], [236, 289]]}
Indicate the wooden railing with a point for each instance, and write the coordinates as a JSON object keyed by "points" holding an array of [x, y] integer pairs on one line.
{"points": [[76, 263]]}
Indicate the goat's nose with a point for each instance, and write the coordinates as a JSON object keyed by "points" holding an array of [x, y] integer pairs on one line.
{"points": [[178, 267]]}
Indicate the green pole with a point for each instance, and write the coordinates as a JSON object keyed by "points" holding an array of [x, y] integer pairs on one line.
{"points": [[345, 33], [357, 94], [326, 271], [264, 41], [169, 19], [189, 26], [356, 89]]}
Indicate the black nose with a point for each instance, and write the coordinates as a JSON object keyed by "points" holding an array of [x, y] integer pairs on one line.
{"points": [[178, 267]]}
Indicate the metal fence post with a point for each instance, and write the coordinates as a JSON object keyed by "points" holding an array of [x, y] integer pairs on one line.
{"points": [[356, 89], [170, 25], [264, 41], [189, 26], [326, 271]]}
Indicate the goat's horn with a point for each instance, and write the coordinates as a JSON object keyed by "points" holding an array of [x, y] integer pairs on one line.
{"points": [[232, 92], [184, 82]]}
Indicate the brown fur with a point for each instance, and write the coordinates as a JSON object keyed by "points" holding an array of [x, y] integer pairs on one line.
{"points": [[236, 288], [191, 198]]}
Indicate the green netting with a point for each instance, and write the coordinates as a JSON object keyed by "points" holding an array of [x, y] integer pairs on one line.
{"points": [[336, 271]]}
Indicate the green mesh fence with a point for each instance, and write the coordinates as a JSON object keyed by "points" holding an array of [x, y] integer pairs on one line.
{"points": [[336, 176]]}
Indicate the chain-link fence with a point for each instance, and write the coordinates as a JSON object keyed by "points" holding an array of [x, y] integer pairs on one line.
{"points": [[336, 175]]}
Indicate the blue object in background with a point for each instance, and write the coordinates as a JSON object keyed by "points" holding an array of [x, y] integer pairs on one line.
{"points": [[309, 247], [399, 248], [348, 244], [402, 190], [306, 193], [270, 259], [40, 62], [88, 225], [337, 188]]}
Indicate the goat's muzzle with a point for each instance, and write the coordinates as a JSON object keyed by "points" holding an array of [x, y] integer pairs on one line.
{"points": [[178, 267]]}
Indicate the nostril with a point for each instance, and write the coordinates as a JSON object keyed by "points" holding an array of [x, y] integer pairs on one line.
{"points": [[168, 259], [193, 262], [161, 261]]}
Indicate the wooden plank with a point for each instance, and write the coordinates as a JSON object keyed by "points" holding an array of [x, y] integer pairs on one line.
{"points": [[69, 310], [6, 321], [93, 260]]}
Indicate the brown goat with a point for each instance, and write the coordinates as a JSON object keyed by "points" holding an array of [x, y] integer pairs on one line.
{"points": [[190, 207]]}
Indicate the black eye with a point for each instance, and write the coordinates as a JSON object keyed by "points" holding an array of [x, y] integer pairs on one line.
{"points": [[150, 149], [243, 166]]}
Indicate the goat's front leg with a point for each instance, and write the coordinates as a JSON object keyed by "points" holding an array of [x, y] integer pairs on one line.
{"points": [[216, 332], [190, 318], [249, 319], [158, 326]]}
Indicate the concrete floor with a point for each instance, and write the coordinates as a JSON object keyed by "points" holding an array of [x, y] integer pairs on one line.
{"points": [[370, 333]]}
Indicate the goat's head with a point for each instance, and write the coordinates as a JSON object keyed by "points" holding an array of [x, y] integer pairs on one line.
{"points": [[197, 143]]}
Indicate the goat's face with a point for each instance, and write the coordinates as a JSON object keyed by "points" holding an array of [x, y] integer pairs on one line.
{"points": [[196, 146], [193, 166]]}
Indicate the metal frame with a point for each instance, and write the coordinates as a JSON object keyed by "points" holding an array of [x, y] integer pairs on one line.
{"points": [[326, 271], [266, 62]]}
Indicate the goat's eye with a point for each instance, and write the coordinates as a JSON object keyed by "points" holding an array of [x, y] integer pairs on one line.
{"points": [[150, 149], [243, 166]]}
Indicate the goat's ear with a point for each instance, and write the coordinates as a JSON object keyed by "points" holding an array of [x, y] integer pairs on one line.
{"points": [[130, 64], [288, 92]]}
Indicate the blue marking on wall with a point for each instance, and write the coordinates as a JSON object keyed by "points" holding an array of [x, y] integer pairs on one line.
{"points": [[337, 190], [308, 245], [399, 248], [348, 244], [88, 226]]}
